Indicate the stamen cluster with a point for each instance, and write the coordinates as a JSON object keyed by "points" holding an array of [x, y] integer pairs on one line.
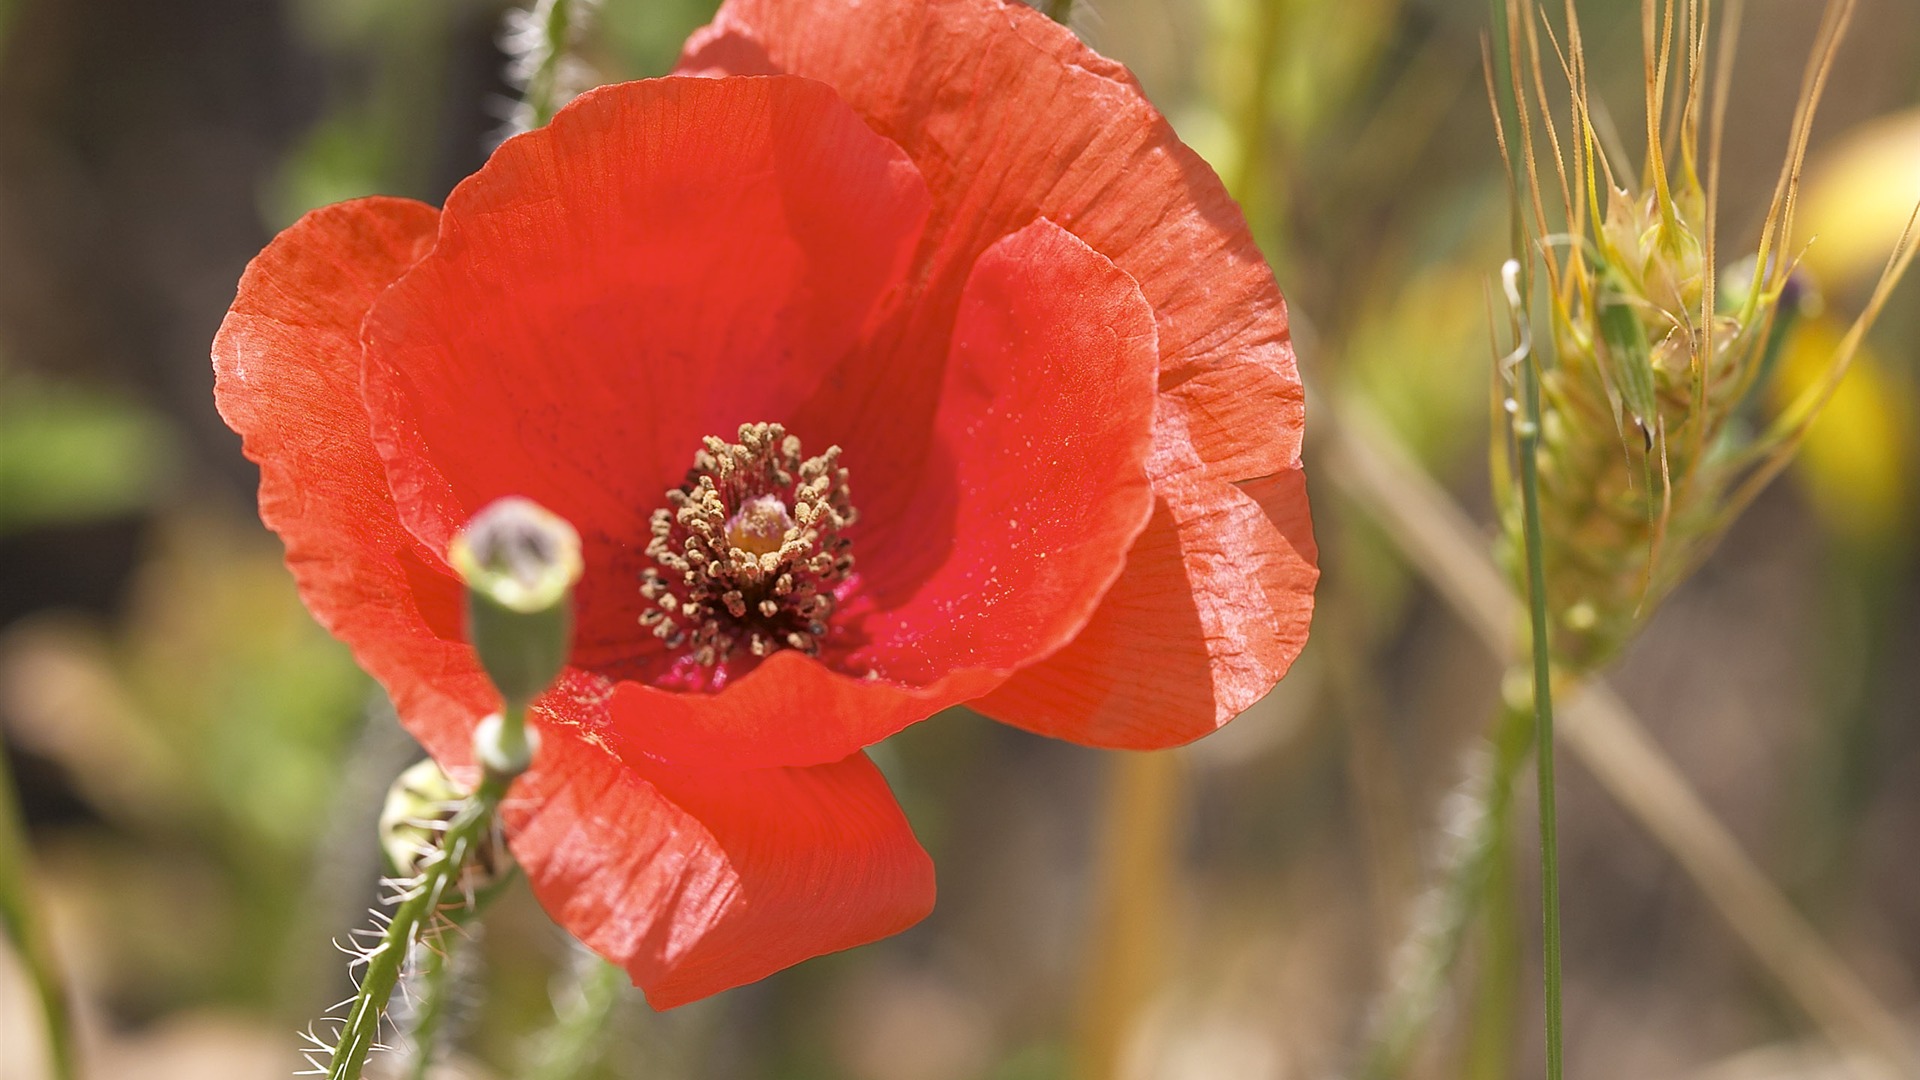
{"points": [[749, 551]]}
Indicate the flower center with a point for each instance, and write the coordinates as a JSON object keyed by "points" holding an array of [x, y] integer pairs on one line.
{"points": [[748, 552]]}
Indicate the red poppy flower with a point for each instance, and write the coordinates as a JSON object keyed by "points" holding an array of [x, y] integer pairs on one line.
{"points": [[939, 235]]}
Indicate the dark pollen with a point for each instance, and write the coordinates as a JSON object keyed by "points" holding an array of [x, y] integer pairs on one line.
{"points": [[748, 552]]}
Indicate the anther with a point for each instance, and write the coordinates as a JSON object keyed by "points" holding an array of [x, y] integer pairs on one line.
{"points": [[751, 548]]}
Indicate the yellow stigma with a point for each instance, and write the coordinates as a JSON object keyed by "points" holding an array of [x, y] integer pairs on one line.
{"points": [[760, 526]]}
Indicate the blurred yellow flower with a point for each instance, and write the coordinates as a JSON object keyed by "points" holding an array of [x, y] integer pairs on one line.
{"points": [[1858, 194], [1856, 463]]}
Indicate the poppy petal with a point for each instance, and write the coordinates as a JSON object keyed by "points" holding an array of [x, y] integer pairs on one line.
{"points": [[696, 882], [1037, 484], [1036, 490], [1009, 117], [665, 261], [287, 378], [1156, 666]]}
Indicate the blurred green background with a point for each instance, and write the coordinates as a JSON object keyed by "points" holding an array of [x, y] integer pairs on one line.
{"points": [[201, 765]]}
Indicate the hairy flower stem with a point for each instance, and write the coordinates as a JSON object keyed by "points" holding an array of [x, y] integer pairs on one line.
{"points": [[20, 918], [1477, 818], [423, 901], [1497, 975], [577, 1040], [1526, 435], [432, 985], [543, 85]]}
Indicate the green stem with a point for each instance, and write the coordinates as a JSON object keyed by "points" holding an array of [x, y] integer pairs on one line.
{"points": [[543, 86], [432, 987], [422, 903], [1526, 431], [426, 897], [1529, 445], [1060, 11], [1489, 1054], [577, 1041], [20, 919], [1252, 184], [1443, 916]]}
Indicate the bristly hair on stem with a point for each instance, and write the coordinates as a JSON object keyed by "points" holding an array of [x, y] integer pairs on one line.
{"points": [[539, 41], [426, 909], [437, 993], [1474, 820], [584, 1006]]}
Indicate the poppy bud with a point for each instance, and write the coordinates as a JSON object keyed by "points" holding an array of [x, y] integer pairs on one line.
{"points": [[520, 563], [414, 819]]}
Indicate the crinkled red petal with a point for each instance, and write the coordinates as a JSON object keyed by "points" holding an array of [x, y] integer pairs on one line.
{"points": [[1009, 117], [665, 261], [1037, 483], [1132, 679], [696, 882], [1036, 489], [287, 378]]}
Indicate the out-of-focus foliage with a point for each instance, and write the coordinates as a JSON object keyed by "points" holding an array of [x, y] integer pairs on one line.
{"points": [[1422, 357], [370, 139], [395, 66], [642, 38], [71, 453], [207, 731]]}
